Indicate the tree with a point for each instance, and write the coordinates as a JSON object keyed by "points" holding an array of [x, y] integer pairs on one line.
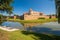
{"points": [[5, 6], [57, 3]]}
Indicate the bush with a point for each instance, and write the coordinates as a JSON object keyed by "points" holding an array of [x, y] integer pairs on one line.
{"points": [[41, 18]]}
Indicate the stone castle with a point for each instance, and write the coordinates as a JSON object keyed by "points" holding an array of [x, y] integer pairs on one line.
{"points": [[33, 15]]}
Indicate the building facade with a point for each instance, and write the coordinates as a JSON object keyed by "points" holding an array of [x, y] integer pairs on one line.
{"points": [[33, 15]]}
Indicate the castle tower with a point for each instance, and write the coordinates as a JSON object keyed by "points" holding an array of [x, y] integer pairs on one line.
{"points": [[30, 11]]}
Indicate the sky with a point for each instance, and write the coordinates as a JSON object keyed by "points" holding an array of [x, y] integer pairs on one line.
{"points": [[45, 6]]}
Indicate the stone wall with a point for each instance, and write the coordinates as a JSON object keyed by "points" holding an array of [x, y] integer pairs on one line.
{"points": [[30, 17], [33, 15]]}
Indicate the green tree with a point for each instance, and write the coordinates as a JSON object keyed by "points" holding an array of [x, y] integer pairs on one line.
{"points": [[5, 6], [57, 3]]}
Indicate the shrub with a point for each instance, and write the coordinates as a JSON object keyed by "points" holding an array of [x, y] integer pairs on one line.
{"points": [[41, 18]]}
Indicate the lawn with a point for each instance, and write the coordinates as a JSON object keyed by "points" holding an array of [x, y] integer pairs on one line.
{"points": [[34, 21], [24, 35]]}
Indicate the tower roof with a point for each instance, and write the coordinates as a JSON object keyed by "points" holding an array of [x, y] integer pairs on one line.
{"points": [[31, 9]]}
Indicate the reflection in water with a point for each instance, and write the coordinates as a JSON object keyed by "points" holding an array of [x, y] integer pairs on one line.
{"points": [[48, 28], [12, 25], [30, 25]]}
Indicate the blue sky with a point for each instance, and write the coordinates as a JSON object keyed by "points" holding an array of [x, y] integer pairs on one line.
{"points": [[45, 6]]}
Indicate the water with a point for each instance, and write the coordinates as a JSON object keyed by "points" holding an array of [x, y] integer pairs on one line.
{"points": [[48, 28], [12, 25]]}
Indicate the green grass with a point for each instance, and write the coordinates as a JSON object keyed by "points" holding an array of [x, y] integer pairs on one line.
{"points": [[24, 35], [15, 35], [34, 21], [18, 35]]}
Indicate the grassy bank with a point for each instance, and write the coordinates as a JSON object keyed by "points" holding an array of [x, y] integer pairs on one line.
{"points": [[24, 35], [34, 21]]}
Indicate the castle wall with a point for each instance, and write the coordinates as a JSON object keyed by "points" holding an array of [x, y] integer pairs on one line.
{"points": [[53, 16], [33, 15], [30, 17], [47, 17]]}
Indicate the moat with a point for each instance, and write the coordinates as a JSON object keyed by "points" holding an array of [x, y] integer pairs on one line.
{"points": [[45, 28]]}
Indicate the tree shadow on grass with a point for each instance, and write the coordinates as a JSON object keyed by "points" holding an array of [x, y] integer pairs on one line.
{"points": [[42, 35]]}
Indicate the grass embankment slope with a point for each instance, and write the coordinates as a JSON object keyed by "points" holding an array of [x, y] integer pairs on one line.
{"points": [[24, 35], [34, 21]]}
